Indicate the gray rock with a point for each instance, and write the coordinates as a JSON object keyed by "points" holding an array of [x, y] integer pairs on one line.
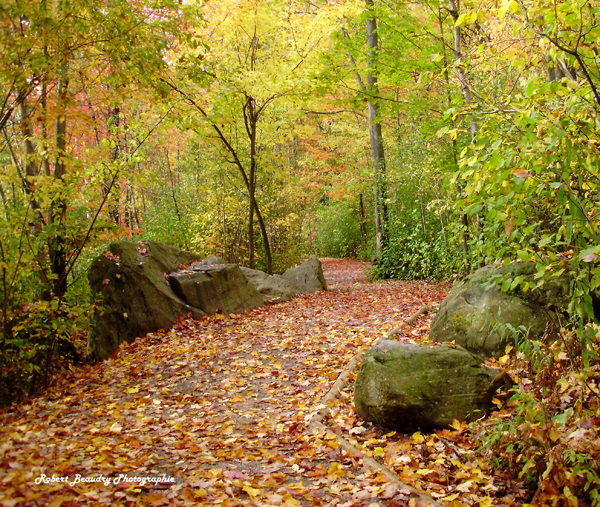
{"points": [[406, 387], [308, 277], [476, 312], [131, 294], [209, 261], [273, 288], [215, 288]]}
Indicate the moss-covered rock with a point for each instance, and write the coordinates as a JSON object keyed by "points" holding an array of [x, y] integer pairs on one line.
{"points": [[476, 312], [132, 295], [405, 387], [215, 288]]}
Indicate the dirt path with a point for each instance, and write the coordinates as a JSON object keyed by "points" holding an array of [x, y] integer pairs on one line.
{"points": [[217, 408]]}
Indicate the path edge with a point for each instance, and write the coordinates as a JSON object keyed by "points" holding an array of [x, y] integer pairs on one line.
{"points": [[316, 421]]}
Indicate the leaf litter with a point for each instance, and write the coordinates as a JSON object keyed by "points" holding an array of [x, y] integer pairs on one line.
{"points": [[220, 407]]}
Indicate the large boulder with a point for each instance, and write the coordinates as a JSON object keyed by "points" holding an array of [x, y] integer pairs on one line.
{"points": [[408, 387], [215, 288], [273, 288], [308, 277], [476, 312], [132, 295]]}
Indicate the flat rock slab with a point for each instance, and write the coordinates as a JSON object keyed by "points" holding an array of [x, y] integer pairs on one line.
{"points": [[215, 288], [273, 288], [408, 387]]}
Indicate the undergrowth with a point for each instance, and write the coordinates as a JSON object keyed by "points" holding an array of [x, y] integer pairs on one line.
{"points": [[547, 427]]}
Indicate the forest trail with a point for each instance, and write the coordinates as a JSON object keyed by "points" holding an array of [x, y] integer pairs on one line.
{"points": [[220, 406]]}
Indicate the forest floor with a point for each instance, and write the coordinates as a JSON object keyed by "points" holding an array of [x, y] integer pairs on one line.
{"points": [[216, 412]]}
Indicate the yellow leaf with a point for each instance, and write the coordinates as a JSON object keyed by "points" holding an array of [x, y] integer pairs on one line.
{"points": [[456, 424], [132, 390], [571, 498], [290, 500], [513, 7], [451, 497], [252, 492], [485, 502], [418, 438]]}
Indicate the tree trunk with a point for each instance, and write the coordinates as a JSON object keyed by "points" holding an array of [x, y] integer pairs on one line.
{"points": [[31, 172], [251, 120], [376, 136], [462, 75], [57, 247], [363, 225], [113, 129], [464, 218]]}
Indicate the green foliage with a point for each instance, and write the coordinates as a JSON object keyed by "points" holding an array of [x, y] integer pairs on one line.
{"points": [[38, 341], [409, 256], [337, 231], [529, 180]]}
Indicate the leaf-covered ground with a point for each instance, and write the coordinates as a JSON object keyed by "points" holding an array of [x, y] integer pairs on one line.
{"points": [[220, 405], [219, 409]]}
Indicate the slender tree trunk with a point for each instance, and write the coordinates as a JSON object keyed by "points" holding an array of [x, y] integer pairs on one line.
{"points": [[31, 172], [251, 260], [375, 133], [57, 246], [466, 91], [462, 75], [265, 238], [173, 189], [376, 136], [251, 120], [113, 128], [251, 128], [363, 225], [464, 218]]}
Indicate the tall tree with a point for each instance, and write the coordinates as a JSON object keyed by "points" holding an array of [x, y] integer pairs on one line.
{"points": [[261, 54], [375, 131]]}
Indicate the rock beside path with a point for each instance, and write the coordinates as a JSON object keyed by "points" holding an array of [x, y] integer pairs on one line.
{"points": [[132, 295], [143, 287], [215, 288], [408, 387], [476, 312], [273, 288], [308, 277]]}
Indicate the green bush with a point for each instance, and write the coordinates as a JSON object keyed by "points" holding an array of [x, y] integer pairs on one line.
{"points": [[409, 256], [38, 341], [338, 231]]}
